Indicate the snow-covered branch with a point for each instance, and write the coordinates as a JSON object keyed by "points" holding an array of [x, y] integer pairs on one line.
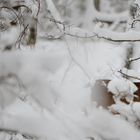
{"points": [[54, 12], [128, 36], [104, 33], [104, 17]]}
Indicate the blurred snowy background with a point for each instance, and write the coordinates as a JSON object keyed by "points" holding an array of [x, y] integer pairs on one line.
{"points": [[54, 56]]}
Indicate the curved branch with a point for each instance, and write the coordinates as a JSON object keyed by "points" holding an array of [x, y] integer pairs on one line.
{"points": [[13, 11]]}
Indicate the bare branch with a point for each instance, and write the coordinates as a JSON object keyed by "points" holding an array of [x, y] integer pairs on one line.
{"points": [[38, 8], [129, 76], [21, 36], [134, 59], [13, 11], [134, 22]]}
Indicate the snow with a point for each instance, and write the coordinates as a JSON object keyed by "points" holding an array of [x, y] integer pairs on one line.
{"points": [[7, 38], [129, 112], [53, 67], [121, 87], [133, 73], [137, 1], [109, 17], [49, 92], [135, 64], [120, 36], [65, 125], [33, 71], [57, 98], [33, 5], [104, 33]]}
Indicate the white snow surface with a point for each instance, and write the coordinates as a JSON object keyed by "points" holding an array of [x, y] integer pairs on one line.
{"points": [[56, 91], [121, 86], [96, 123]]}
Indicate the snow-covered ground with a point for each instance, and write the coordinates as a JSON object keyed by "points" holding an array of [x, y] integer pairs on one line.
{"points": [[54, 82]]}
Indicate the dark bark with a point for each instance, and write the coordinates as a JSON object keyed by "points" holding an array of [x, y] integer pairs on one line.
{"points": [[97, 4]]}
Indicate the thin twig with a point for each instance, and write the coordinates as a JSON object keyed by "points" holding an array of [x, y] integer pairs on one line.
{"points": [[11, 9], [86, 35], [21, 36], [134, 59], [129, 76], [57, 22], [38, 8], [134, 21]]}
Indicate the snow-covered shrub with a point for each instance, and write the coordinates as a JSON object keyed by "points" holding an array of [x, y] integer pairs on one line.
{"points": [[122, 88]]}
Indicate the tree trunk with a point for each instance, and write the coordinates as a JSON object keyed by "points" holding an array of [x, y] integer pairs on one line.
{"points": [[32, 32], [97, 4]]}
